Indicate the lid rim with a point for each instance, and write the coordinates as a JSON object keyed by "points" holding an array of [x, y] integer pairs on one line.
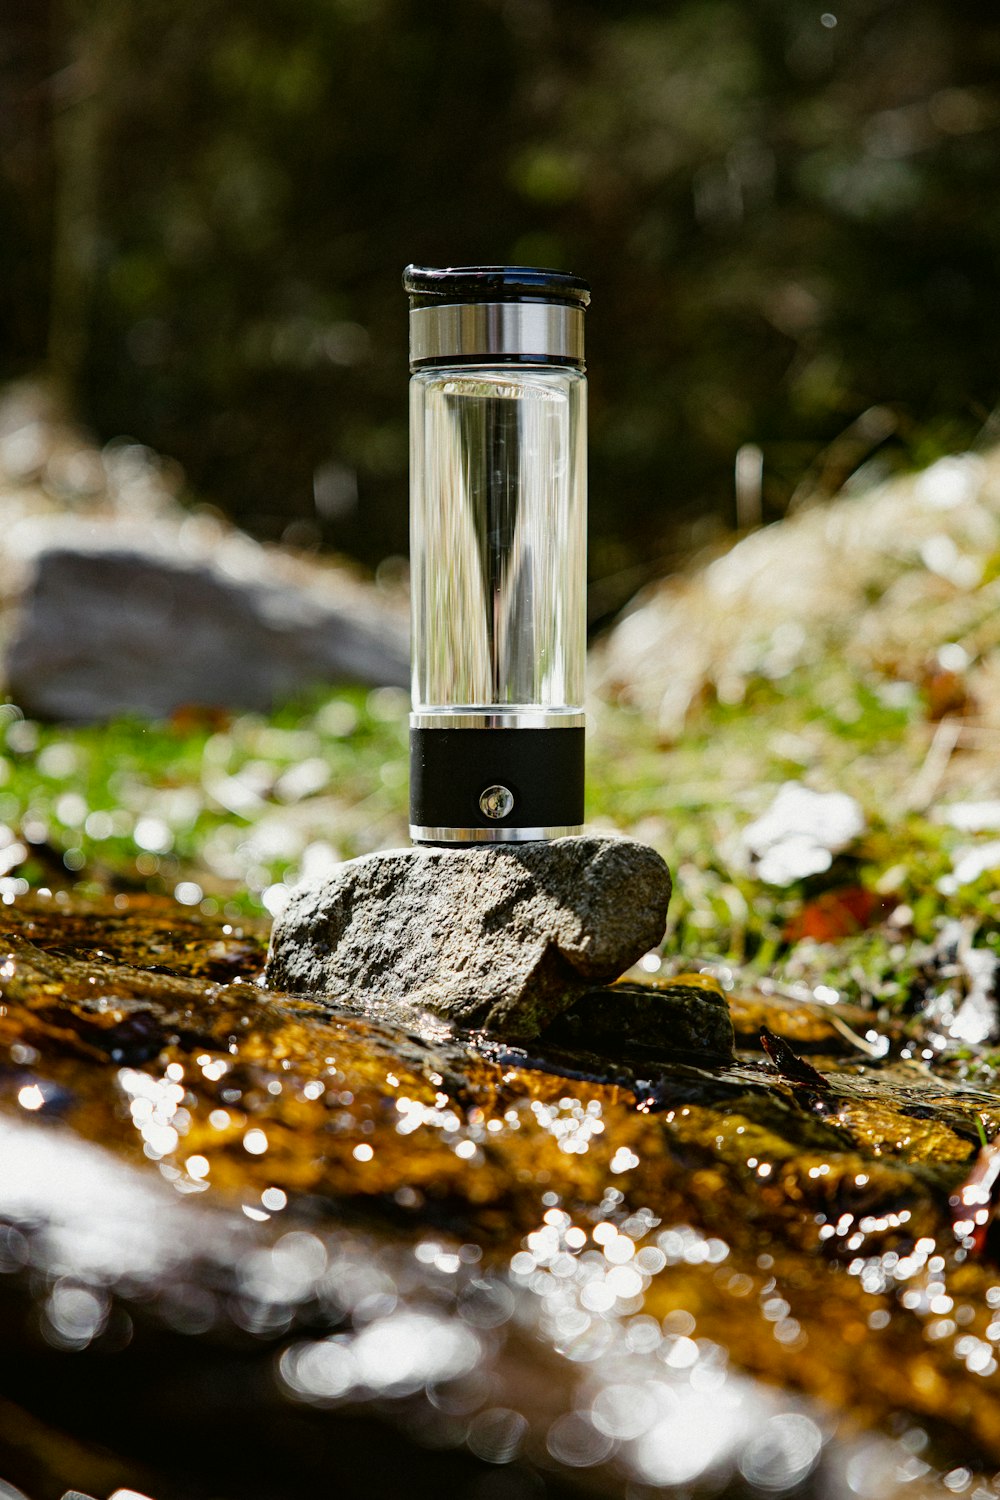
{"points": [[429, 285]]}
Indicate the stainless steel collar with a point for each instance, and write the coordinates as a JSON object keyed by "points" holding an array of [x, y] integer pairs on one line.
{"points": [[489, 330]]}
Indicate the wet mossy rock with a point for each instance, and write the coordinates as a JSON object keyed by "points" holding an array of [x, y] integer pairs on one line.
{"points": [[685, 1017], [267, 1214], [503, 938]]}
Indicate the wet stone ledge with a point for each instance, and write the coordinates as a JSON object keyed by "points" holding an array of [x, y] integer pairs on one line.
{"points": [[306, 1241]]}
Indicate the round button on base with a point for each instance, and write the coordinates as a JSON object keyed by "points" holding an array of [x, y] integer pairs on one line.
{"points": [[496, 801]]}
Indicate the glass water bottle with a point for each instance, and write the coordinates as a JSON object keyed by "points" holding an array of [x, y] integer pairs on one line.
{"points": [[498, 546]]}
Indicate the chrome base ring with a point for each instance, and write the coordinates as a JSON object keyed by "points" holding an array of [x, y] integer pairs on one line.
{"points": [[488, 835]]}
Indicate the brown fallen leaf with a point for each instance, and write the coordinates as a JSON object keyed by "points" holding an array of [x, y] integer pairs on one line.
{"points": [[839, 913]]}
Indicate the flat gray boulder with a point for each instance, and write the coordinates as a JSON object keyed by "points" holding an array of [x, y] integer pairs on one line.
{"points": [[108, 623], [502, 938], [115, 598]]}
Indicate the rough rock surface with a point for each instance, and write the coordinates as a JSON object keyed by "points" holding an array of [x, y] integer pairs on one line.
{"points": [[115, 597], [504, 938]]}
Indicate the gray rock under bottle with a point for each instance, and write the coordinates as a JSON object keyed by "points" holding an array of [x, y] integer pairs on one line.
{"points": [[502, 938]]}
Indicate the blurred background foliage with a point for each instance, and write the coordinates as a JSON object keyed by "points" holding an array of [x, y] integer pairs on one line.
{"points": [[790, 218]]}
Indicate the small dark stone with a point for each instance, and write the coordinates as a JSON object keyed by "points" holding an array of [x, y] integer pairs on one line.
{"points": [[672, 1019]]}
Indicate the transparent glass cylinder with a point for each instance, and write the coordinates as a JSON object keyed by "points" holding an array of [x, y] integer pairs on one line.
{"points": [[498, 539]]}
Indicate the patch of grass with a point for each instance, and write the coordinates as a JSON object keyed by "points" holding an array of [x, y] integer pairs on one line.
{"points": [[217, 810]]}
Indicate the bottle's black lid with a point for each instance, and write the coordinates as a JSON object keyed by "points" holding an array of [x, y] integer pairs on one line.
{"points": [[427, 285]]}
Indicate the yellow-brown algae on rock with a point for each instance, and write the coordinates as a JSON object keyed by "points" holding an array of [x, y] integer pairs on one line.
{"points": [[808, 1025], [336, 1215]]}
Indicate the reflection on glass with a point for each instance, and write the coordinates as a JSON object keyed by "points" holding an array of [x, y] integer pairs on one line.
{"points": [[499, 501]]}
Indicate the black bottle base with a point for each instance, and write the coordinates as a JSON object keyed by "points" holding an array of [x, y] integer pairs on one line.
{"points": [[471, 786]]}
